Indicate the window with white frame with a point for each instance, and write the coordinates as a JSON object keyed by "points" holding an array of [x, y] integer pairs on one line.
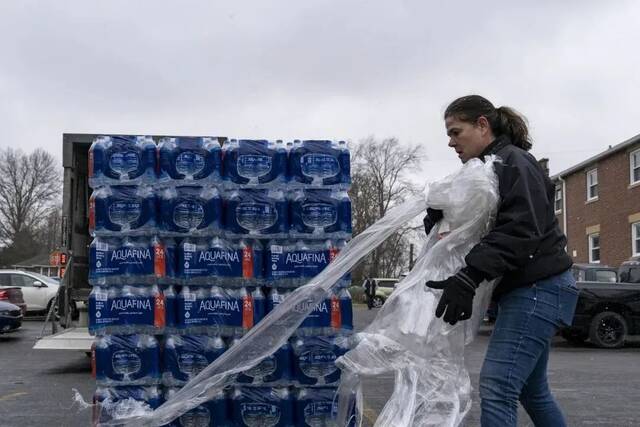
{"points": [[634, 167], [594, 247], [635, 238], [592, 184], [558, 198]]}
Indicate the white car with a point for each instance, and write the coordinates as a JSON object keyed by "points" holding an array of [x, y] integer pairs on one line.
{"points": [[38, 291]]}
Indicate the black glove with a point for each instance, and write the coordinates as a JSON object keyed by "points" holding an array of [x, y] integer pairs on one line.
{"points": [[457, 297], [432, 218]]}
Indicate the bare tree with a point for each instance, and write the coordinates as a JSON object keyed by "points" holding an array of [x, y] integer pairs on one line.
{"points": [[379, 182], [48, 231], [29, 185]]}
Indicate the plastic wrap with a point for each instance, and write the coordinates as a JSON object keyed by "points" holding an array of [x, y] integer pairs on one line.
{"points": [[432, 386]]}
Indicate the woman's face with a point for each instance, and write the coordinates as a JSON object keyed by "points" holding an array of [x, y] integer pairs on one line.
{"points": [[468, 139]]}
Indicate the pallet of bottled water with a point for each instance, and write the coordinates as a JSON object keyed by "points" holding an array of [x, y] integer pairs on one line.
{"points": [[195, 240]]}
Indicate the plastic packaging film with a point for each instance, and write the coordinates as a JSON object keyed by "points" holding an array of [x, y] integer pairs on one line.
{"points": [[432, 386]]}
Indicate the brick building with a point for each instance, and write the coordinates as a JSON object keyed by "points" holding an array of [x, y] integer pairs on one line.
{"points": [[597, 204]]}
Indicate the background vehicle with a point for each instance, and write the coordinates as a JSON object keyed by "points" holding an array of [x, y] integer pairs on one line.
{"points": [[606, 313], [384, 287], [629, 271], [38, 291], [594, 273], [10, 317], [14, 296]]}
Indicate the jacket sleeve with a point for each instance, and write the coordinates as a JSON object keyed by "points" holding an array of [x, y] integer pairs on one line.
{"points": [[520, 221]]}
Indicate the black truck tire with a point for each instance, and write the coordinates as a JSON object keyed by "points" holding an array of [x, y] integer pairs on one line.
{"points": [[608, 330]]}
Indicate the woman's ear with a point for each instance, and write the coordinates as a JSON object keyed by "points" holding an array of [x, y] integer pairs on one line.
{"points": [[483, 123]]}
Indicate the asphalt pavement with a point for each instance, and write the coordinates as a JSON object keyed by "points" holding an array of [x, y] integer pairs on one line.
{"points": [[594, 387]]}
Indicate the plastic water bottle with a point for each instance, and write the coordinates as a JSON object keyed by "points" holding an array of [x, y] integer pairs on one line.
{"points": [[335, 250], [127, 360], [317, 256], [256, 213], [319, 163], [255, 163], [100, 317], [262, 406], [251, 310], [273, 370], [344, 214], [212, 413], [316, 406], [96, 161], [109, 399], [188, 318], [139, 309], [122, 160], [122, 211], [346, 311], [190, 160], [190, 211], [171, 310], [138, 257], [345, 165], [165, 260], [192, 261], [259, 305], [276, 297], [252, 261], [314, 359], [280, 268], [187, 355], [315, 214], [102, 270]]}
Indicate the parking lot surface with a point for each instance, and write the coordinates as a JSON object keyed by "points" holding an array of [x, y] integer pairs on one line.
{"points": [[594, 387]]}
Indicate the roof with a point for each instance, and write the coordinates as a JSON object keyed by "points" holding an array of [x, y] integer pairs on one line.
{"points": [[610, 151]]}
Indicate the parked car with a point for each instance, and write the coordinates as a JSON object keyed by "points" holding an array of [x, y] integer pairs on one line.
{"points": [[14, 296], [38, 291], [384, 287], [606, 314], [594, 273], [10, 317]]}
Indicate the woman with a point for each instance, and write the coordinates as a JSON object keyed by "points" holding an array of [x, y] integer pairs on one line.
{"points": [[536, 293]]}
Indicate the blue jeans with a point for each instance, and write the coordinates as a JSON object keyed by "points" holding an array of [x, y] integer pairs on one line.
{"points": [[515, 367]]}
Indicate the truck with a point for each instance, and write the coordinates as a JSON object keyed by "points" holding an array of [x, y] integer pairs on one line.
{"points": [[75, 241], [608, 308]]}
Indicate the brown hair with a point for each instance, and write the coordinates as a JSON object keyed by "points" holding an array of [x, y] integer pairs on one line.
{"points": [[502, 120]]}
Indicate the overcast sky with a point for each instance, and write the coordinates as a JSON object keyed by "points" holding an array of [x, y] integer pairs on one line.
{"points": [[319, 69]]}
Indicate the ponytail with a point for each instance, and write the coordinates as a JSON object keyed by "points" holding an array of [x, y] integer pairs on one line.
{"points": [[514, 125], [503, 120]]}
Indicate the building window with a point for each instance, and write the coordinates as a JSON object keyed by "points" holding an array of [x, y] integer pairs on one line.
{"points": [[594, 248], [592, 184], [635, 238], [634, 166], [558, 199]]}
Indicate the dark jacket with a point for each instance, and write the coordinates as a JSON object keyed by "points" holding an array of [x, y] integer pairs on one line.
{"points": [[525, 244]]}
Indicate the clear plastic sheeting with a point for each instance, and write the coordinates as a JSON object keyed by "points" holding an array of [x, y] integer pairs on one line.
{"points": [[432, 386], [431, 383]]}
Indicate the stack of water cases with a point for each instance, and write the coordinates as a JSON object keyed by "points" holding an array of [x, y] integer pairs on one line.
{"points": [[194, 242]]}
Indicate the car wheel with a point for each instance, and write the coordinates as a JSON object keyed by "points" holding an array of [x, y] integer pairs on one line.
{"points": [[378, 301], [55, 310], [608, 330], [575, 338]]}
